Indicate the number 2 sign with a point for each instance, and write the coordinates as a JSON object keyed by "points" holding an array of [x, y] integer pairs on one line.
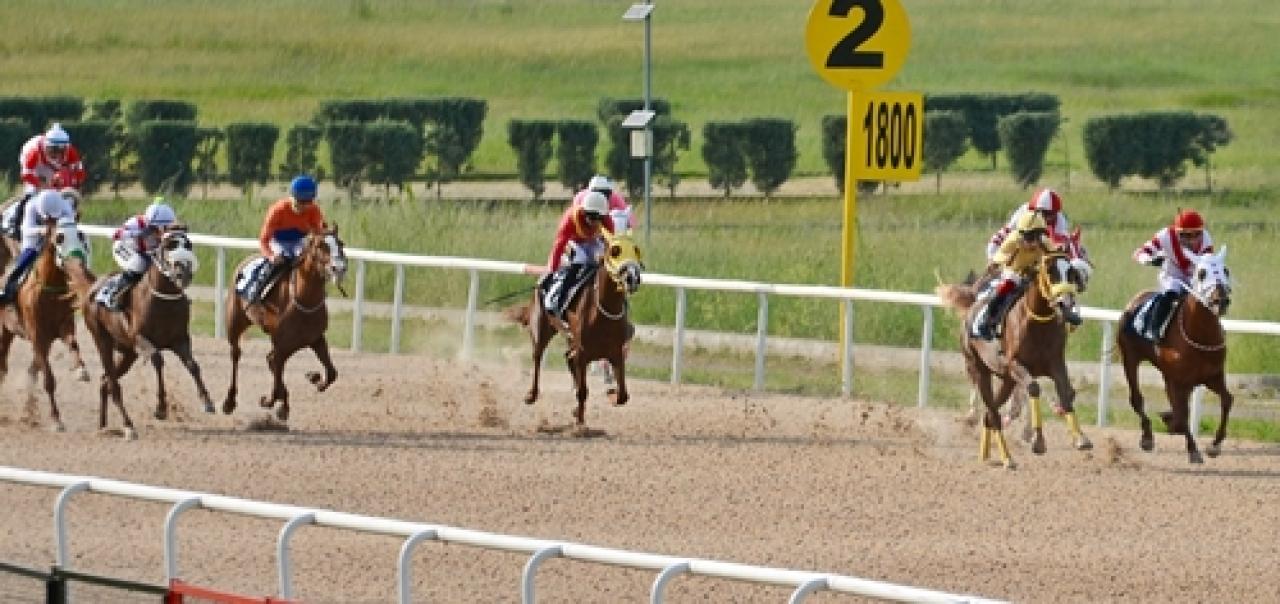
{"points": [[857, 45]]}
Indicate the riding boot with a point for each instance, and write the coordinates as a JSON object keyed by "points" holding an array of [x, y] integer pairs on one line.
{"points": [[128, 279], [985, 323], [20, 268], [274, 269], [13, 228], [561, 296], [1161, 311]]}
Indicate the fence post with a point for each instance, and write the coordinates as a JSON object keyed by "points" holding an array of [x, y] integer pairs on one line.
{"points": [[220, 293], [1197, 409], [926, 346], [404, 567], [357, 309], [658, 593], [284, 565], [1104, 374], [397, 303], [60, 521], [807, 588], [531, 568], [762, 329], [469, 320], [677, 346], [846, 354], [171, 536], [55, 588]]}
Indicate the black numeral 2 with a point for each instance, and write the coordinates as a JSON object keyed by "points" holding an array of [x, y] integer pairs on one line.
{"points": [[846, 53]]}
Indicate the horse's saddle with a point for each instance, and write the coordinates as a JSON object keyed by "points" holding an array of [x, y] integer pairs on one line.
{"points": [[567, 283], [985, 294], [254, 271], [109, 289], [1145, 314]]}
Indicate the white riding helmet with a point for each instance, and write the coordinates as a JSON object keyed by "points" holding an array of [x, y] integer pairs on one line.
{"points": [[56, 137], [159, 214], [51, 204], [600, 182], [595, 203]]}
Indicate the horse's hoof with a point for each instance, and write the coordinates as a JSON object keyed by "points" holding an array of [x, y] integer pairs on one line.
{"points": [[1010, 465], [1029, 434], [1037, 444], [1194, 457], [282, 413], [1212, 450], [208, 407], [130, 434], [161, 414], [228, 406], [530, 398], [57, 426], [1084, 444], [266, 402], [1147, 443]]}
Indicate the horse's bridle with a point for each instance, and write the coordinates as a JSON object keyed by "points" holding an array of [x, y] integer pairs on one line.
{"points": [[333, 247], [1049, 290], [162, 263]]}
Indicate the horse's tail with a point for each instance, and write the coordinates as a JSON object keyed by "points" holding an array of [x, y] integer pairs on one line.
{"points": [[518, 313], [958, 297]]}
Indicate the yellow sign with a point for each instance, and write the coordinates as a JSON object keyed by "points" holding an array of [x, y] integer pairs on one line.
{"points": [[888, 135], [857, 45]]}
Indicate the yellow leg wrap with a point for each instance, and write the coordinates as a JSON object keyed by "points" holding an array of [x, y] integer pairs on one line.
{"points": [[1004, 448], [1036, 421], [984, 444], [1073, 424]]}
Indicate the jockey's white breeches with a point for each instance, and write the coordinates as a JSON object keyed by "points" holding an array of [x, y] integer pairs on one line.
{"points": [[129, 259], [585, 252], [621, 220], [32, 239], [1171, 279], [288, 250]]}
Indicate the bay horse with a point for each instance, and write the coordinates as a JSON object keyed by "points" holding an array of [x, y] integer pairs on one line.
{"points": [[45, 302], [156, 317], [79, 280], [1032, 344], [1073, 246], [598, 322], [294, 315], [1193, 352]]}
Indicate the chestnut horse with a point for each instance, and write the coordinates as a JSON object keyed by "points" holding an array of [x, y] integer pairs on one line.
{"points": [[1032, 344], [46, 301], [597, 320], [156, 317], [79, 280], [294, 315], [1193, 352]]}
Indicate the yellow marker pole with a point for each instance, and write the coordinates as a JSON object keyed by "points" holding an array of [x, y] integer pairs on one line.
{"points": [[849, 230]]}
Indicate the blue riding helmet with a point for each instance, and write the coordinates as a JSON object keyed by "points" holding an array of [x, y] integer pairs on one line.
{"points": [[303, 188]]}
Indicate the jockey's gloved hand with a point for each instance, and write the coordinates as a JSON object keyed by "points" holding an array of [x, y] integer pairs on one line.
{"points": [[1156, 260]]}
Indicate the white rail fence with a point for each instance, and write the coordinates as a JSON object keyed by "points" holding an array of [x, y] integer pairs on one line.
{"points": [[926, 302], [413, 533]]}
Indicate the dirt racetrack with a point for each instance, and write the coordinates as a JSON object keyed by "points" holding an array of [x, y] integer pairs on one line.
{"points": [[850, 487]]}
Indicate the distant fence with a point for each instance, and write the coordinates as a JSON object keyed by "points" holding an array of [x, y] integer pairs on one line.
{"points": [[413, 533], [474, 266]]}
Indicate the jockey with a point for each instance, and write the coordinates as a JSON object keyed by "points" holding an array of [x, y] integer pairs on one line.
{"points": [[1017, 257], [579, 231], [136, 243], [285, 229], [619, 210], [47, 205], [1048, 204], [47, 161], [1174, 249]]}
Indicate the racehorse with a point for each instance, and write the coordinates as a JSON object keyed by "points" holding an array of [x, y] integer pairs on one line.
{"points": [[1074, 248], [1032, 343], [598, 323], [294, 314], [156, 317], [80, 280], [1192, 353], [44, 304]]}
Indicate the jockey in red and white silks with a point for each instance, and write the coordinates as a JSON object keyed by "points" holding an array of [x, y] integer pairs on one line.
{"points": [[45, 206], [50, 161], [136, 243], [1175, 250], [1048, 204], [580, 230], [619, 210]]}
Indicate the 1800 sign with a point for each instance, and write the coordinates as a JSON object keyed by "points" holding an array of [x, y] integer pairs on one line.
{"points": [[890, 136]]}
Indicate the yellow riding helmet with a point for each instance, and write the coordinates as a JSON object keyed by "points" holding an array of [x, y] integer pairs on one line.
{"points": [[1031, 221]]}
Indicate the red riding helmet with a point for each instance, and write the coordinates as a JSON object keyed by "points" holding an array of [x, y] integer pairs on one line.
{"points": [[1188, 220], [1045, 200]]}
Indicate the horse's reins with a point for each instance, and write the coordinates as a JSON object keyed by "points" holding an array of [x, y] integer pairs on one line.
{"points": [[1182, 328], [1046, 292], [625, 301]]}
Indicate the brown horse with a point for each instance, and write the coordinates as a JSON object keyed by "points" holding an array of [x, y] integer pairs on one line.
{"points": [[294, 315], [1192, 353], [156, 317], [79, 280], [1032, 344], [45, 302], [598, 324]]}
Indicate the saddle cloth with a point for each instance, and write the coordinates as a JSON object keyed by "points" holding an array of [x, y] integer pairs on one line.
{"points": [[9, 221], [554, 281], [252, 272], [1142, 317], [108, 290]]}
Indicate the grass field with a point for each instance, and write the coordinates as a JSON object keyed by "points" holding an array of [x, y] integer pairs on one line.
{"points": [[276, 60]]}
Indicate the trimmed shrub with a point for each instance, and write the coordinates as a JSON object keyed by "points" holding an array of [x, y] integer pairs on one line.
{"points": [[205, 163], [250, 146], [346, 154], [40, 111], [147, 110], [165, 150], [576, 152], [770, 148], [393, 150], [300, 152], [94, 139], [982, 112], [669, 138], [531, 140], [1151, 145], [946, 138], [722, 150], [1025, 137], [456, 127], [14, 131]]}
